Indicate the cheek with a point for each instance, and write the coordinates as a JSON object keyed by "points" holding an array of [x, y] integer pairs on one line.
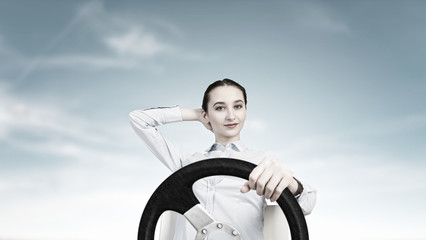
{"points": [[213, 119], [242, 115]]}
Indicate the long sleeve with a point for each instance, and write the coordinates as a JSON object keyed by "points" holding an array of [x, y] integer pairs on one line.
{"points": [[145, 123], [307, 199]]}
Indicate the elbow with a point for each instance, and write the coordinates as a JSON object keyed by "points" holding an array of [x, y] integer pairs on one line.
{"points": [[307, 202], [307, 210], [139, 120], [134, 116]]}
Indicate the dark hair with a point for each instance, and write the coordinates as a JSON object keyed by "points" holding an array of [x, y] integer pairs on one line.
{"points": [[221, 83]]}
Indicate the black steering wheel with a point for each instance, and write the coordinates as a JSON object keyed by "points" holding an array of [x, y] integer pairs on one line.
{"points": [[176, 194]]}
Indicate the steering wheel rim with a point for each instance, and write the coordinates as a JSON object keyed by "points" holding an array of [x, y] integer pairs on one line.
{"points": [[175, 194]]}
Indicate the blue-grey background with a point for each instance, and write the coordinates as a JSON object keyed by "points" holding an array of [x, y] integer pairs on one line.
{"points": [[336, 89]]}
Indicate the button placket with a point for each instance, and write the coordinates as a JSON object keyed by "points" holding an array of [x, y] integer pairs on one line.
{"points": [[210, 195]]}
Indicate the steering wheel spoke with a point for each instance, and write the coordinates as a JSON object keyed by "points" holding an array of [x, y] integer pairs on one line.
{"points": [[206, 224]]}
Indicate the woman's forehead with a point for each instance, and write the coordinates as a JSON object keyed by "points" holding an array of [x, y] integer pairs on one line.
{"points": [[226, 94]]}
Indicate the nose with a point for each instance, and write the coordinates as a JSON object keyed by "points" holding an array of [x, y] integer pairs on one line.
{"points": [[230, 115]]}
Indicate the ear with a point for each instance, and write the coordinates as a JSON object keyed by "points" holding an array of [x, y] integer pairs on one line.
{"points": [[204, 114]]}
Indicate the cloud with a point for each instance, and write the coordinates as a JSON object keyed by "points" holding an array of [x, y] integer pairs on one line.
{"points": [[140, 39], [49, 132], [119, 40], [90, 176], [18, 114], [95, 62], [74, 216], [136, 43], [123, 35]]}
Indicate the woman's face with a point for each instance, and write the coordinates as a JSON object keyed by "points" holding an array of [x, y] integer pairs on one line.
{"points": [[226, 113]]}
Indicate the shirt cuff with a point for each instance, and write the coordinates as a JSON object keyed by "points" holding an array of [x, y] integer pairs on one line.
{"points": [[299, 188], [174, 115]]}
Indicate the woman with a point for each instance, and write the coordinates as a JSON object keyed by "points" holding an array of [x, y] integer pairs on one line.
{"points": [[227, 199]]}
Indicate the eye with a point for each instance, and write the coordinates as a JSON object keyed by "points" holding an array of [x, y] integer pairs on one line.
{"points": [[239, 106], [219, 108]]}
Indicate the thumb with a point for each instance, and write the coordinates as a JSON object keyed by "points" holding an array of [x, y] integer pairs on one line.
{"points": [[245, 188]]}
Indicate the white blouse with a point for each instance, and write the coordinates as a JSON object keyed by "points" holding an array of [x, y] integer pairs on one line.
{"points": [[219, 195]]}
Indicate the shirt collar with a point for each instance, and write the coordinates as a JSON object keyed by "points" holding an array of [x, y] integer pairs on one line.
{"points": [[236, 146]]}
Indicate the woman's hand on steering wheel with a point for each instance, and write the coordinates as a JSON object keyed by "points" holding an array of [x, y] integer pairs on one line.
{"points": [[269, 179]]}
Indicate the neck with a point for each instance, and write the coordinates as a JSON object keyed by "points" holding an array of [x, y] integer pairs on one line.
{"points": [[226, 141]]}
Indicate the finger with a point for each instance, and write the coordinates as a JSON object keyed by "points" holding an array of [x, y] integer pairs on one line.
{"points": [[272, 185], [255, 174], [263, 180], [280, 188], [245, 188]]}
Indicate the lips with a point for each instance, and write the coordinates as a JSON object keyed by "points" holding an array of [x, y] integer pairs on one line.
{"points": [[231, 125]]}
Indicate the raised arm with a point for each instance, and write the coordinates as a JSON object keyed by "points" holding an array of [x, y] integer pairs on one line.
{"points": [[145, 123]]}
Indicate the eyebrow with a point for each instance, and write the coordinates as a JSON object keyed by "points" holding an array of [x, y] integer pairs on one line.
{"points": [[236, 101]]}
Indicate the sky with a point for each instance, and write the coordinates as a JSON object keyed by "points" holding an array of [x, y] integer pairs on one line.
{"points": [[336, 89]]}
